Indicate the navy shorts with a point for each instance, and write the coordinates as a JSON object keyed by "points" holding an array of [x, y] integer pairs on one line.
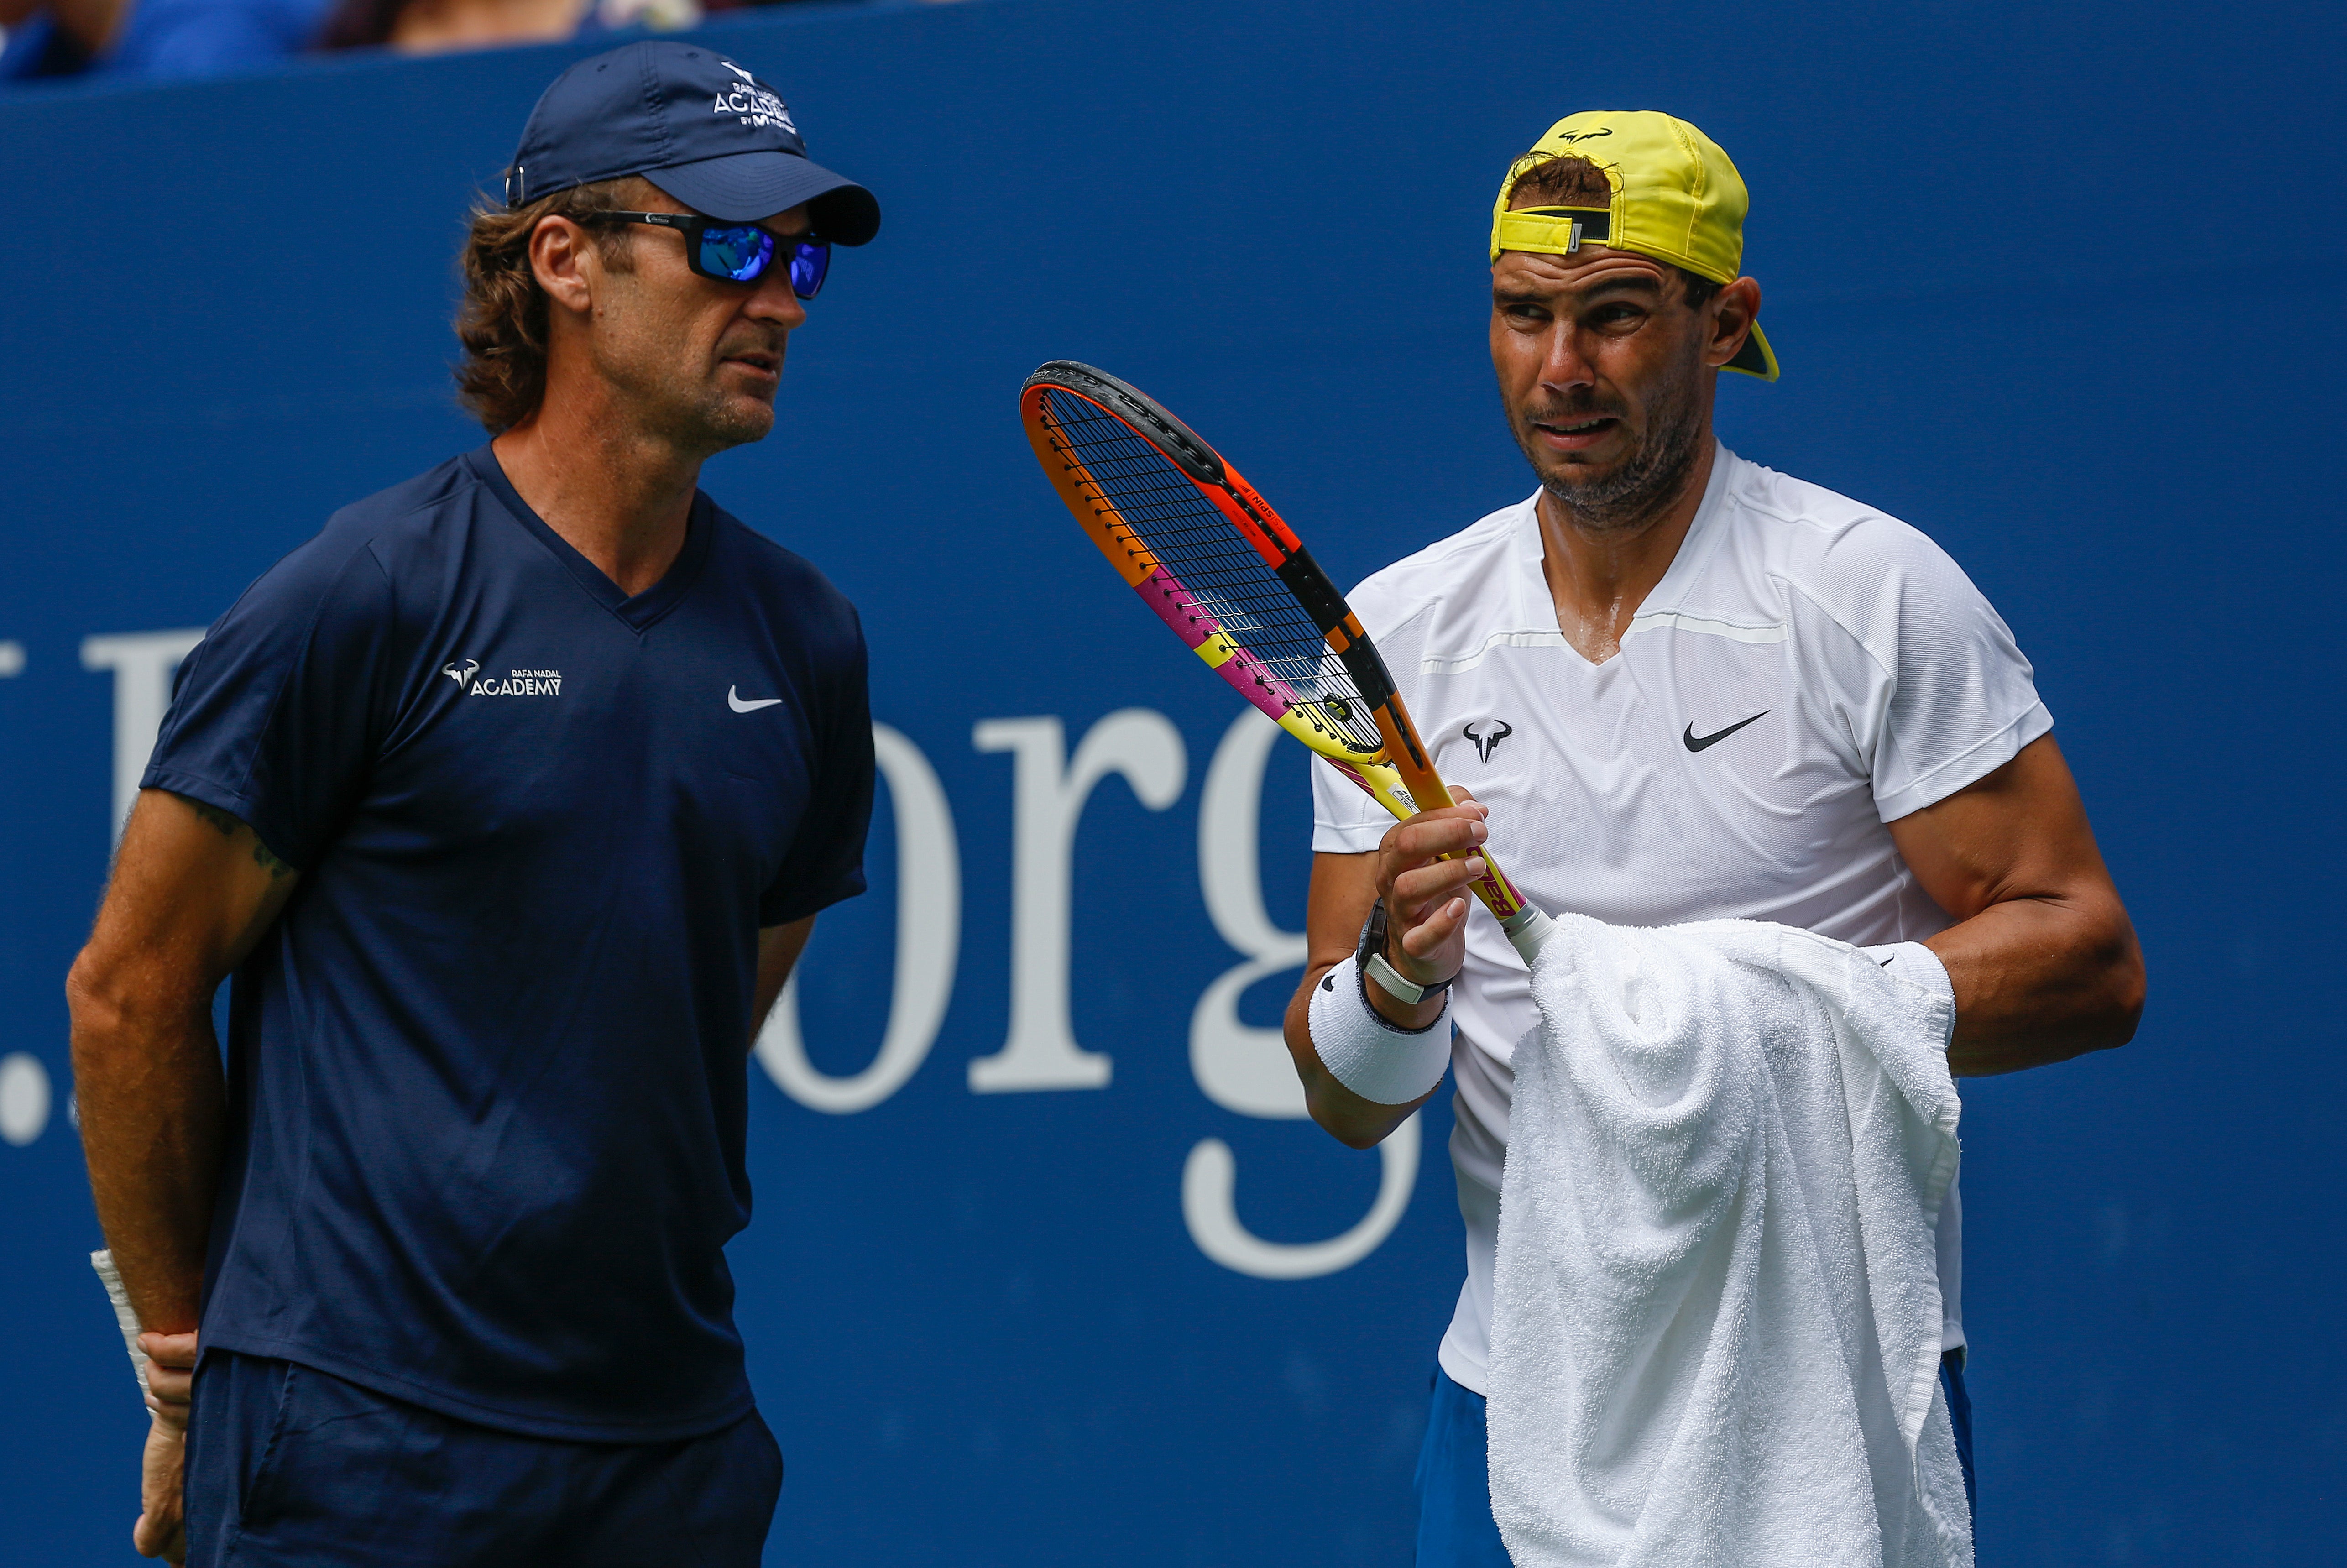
{"points": [[1455, 1488], [288, 1465]]}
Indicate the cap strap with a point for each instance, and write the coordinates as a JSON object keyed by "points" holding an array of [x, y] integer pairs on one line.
{"points": [[1557, 231]]}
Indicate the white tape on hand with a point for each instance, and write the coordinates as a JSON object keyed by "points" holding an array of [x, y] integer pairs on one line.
{"points": [[1375, 1060], [126, 1316]]}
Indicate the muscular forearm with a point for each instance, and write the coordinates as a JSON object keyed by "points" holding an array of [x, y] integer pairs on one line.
{"points": [[2040, 981], [2043, 958], [148, 1083]]}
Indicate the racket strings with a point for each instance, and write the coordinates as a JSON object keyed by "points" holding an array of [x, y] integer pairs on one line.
{"points": [[1196, 544]]}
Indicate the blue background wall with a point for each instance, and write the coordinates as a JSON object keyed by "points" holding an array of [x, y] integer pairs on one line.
{"points": [[2058, 284]]}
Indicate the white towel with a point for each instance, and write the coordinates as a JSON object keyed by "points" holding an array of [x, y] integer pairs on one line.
{"points": [[1715, 1309]]}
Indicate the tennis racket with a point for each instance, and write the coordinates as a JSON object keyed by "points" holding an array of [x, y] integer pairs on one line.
{"points": [[1231, 578]]}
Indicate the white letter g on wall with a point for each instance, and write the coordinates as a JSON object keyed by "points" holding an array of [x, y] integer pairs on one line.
{"points": [[1244, 1069]]}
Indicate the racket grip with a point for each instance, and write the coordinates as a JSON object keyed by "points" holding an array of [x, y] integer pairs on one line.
{"points": [[1526, 928], [126, 1316]]}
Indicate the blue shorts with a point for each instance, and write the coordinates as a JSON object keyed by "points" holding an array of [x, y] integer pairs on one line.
{"points": [[288, 1465], [1454, 1487]]}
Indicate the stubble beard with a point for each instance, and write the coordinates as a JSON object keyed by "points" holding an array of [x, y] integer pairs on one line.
{"points": [[706, 419], [1649, 479], [728, 421], [689, 411]]}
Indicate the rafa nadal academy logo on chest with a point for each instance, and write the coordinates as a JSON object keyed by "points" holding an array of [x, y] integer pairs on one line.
{"points": [[467, 673]]}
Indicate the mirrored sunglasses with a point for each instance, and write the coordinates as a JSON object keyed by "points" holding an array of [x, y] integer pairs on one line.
{"points": [[739, 252]]}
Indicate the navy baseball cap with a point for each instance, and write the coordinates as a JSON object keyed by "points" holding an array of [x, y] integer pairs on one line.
{"points": [[700, 127]]}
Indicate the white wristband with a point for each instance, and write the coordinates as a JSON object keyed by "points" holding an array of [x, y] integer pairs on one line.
{"points": [[1379, 1062]]}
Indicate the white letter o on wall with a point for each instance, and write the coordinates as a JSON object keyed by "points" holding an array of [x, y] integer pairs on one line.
{"points": [[929, 945]]}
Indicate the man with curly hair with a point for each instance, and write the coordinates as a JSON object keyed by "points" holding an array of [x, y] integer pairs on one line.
{"points": [[509, 800]]}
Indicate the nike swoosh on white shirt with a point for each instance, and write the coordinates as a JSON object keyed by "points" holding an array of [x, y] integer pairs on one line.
{"points": [[734, 701]]}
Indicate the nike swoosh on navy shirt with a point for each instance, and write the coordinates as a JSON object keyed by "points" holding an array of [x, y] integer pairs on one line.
{"points": [[734, 701]]}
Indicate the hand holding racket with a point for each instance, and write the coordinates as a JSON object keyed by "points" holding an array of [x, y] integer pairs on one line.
{"points": [[1235, 583]]}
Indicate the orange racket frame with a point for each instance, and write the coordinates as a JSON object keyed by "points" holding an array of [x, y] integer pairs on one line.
{"points": [[1393, 768]]}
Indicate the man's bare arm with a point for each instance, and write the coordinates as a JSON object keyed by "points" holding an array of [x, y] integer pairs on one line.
{"points": [[193, 889], [779, 947], [2043, 959]]}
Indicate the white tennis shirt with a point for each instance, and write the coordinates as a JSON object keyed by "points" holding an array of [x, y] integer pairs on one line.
{"points": [[1805, 672]]}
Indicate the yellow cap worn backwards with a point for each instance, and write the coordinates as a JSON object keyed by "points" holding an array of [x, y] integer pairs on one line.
{"points": [[1677, 198]]}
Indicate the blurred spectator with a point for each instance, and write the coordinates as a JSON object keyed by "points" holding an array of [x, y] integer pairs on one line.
{"points": [[434, 26], [151, 39], [164, 38]]}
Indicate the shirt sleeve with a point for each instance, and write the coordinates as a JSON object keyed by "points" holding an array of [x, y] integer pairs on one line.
{"points": [[825, 863], [275, 716], [1345, 820], [1939, 694]]}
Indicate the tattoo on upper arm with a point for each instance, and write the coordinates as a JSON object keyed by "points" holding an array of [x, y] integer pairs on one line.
{"points": [[228, 823]]}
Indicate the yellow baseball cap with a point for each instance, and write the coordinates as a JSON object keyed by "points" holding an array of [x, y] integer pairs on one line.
{"points": [[1677, 198]]}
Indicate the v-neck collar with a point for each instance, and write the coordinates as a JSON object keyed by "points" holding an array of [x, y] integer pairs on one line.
{"points": [[1536, 606], [638, 612]]}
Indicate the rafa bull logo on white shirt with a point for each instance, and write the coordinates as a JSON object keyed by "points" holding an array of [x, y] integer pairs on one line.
{"points": [[1487, 743]]}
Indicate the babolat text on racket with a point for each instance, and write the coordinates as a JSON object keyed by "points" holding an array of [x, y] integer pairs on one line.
{"points": [[1220, 567]]}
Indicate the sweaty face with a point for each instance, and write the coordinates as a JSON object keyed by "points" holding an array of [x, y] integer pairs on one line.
{"points": [[698, 359], [1602, 373]]}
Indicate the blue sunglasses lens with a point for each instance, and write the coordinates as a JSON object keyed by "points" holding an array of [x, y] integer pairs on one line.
{"points": [[810, 260], [739, 252], [744, 253]]}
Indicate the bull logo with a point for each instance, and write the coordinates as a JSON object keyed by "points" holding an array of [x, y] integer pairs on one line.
{"points": [[1486, 744]]}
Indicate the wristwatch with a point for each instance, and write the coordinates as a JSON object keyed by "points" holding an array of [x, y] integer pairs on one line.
{"points": [[1371, 958]]}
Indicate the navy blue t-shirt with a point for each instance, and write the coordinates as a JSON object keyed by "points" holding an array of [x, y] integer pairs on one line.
{"points": [[488, 1072]]}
